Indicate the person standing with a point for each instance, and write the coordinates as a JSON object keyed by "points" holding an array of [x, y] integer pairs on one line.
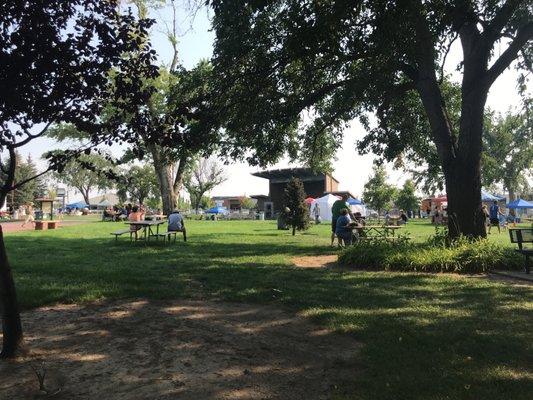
{"points": [[494, 215], [316, 212], [30, 215], [336, 213]]}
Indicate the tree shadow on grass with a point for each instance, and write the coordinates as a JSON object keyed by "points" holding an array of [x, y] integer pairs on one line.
{"points": [[181, 349], [425, 336]]}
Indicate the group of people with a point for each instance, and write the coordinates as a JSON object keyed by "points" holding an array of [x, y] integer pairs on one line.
{"points": [[343, 222], [494, 216], [137, 213]]}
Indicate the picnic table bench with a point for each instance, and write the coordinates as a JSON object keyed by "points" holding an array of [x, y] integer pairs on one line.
{"points": [[521, 236], [122, 232]]}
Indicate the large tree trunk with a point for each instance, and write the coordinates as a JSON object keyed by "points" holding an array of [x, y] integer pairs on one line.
{"points": [[11, 325], [463, 188], [510, 189], [165, 179]]}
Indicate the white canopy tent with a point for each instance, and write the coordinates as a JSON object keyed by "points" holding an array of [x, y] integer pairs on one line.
{"points": [[361, 208], [324, 204]]}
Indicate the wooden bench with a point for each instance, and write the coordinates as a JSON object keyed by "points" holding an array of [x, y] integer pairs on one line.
{"points": [[43, 225], [122, 232], [521, 236], [168, 235]]}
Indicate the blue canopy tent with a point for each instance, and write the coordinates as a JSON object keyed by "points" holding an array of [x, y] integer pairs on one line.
{"points": [[217, 210], [486, 196], [79, 205], [519, 203], [354, 202]]}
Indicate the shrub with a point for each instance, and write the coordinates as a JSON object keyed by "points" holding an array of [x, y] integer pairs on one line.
{"points": [[463, 256]]}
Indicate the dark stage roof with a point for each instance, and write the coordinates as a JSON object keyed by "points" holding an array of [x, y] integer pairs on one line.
{"points": [[279, 175]]}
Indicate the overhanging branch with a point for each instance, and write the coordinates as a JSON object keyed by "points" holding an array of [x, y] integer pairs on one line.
{"points": [[523, 35]]}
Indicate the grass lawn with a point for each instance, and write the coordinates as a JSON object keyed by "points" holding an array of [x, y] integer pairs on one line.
{"points": [[424, 336]]}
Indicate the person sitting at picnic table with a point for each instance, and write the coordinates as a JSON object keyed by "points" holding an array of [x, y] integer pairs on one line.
{"points": [[176, 223], [336, 213], [136, 215], [109, 213], [360, 220], [403, 218], [344, 227], [494, 215]]}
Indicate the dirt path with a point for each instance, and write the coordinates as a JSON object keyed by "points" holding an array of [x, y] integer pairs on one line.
{"points": [[315, 261], [179, 350]]}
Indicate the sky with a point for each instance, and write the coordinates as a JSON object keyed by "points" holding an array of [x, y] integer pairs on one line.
{"points": [[350, 169]]}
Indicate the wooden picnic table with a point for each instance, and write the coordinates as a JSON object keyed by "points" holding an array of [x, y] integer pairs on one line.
{"points": [[378, 231], [147, 228]]}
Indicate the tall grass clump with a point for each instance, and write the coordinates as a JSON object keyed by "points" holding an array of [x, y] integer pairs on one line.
{"points": [[438, 254]]}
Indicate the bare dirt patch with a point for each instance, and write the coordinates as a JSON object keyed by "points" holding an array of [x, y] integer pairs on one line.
{"points": [[315, 261], [179, 350]]}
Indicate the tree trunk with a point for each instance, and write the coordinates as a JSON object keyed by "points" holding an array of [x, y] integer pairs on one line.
{"points": [[168, 196], [463, 188], [510, 190], [85, 193], [11, 325], [293, 230]]}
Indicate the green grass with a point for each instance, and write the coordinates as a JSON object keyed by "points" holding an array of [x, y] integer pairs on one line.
{"points": [[424, 336]]}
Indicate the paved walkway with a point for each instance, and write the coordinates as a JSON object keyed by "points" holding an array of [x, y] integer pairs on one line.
{"points": [[520, 275], [16, 226]]}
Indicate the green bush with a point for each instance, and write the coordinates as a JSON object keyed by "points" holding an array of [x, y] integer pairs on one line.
{"points": [[461, 256]]}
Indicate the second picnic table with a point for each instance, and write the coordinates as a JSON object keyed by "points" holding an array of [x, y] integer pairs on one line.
{"points": [[378, 232], [147, 227]]}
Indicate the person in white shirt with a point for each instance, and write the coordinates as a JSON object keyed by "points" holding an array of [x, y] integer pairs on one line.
{"points": [[177, 224]]}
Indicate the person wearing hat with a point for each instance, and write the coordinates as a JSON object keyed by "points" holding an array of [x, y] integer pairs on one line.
{"points": [[176, 223]]}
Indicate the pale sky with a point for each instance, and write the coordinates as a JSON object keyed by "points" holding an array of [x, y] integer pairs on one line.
{"points": [[351, 169]]}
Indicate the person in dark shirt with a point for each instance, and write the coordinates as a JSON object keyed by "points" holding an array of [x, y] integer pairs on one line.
{"points": [[494, 215]]}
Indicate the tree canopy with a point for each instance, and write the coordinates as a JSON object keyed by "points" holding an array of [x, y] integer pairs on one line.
{"points": [[139, 183], [87, 173], [508, 151], [406, 198], [377, 192], [203, 176], [297, 72]]}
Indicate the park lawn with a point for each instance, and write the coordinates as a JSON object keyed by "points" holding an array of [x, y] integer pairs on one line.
{"points": [[424, 336]]}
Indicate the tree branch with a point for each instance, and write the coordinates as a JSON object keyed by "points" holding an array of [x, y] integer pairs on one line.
{"points": [[524, 34], [492, 31]]}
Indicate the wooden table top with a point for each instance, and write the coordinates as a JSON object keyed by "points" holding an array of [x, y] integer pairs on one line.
{"points": [[145, 223], [381, 226]]}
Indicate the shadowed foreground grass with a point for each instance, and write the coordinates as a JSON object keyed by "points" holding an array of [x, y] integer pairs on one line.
{"points": [[424, 336]]}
